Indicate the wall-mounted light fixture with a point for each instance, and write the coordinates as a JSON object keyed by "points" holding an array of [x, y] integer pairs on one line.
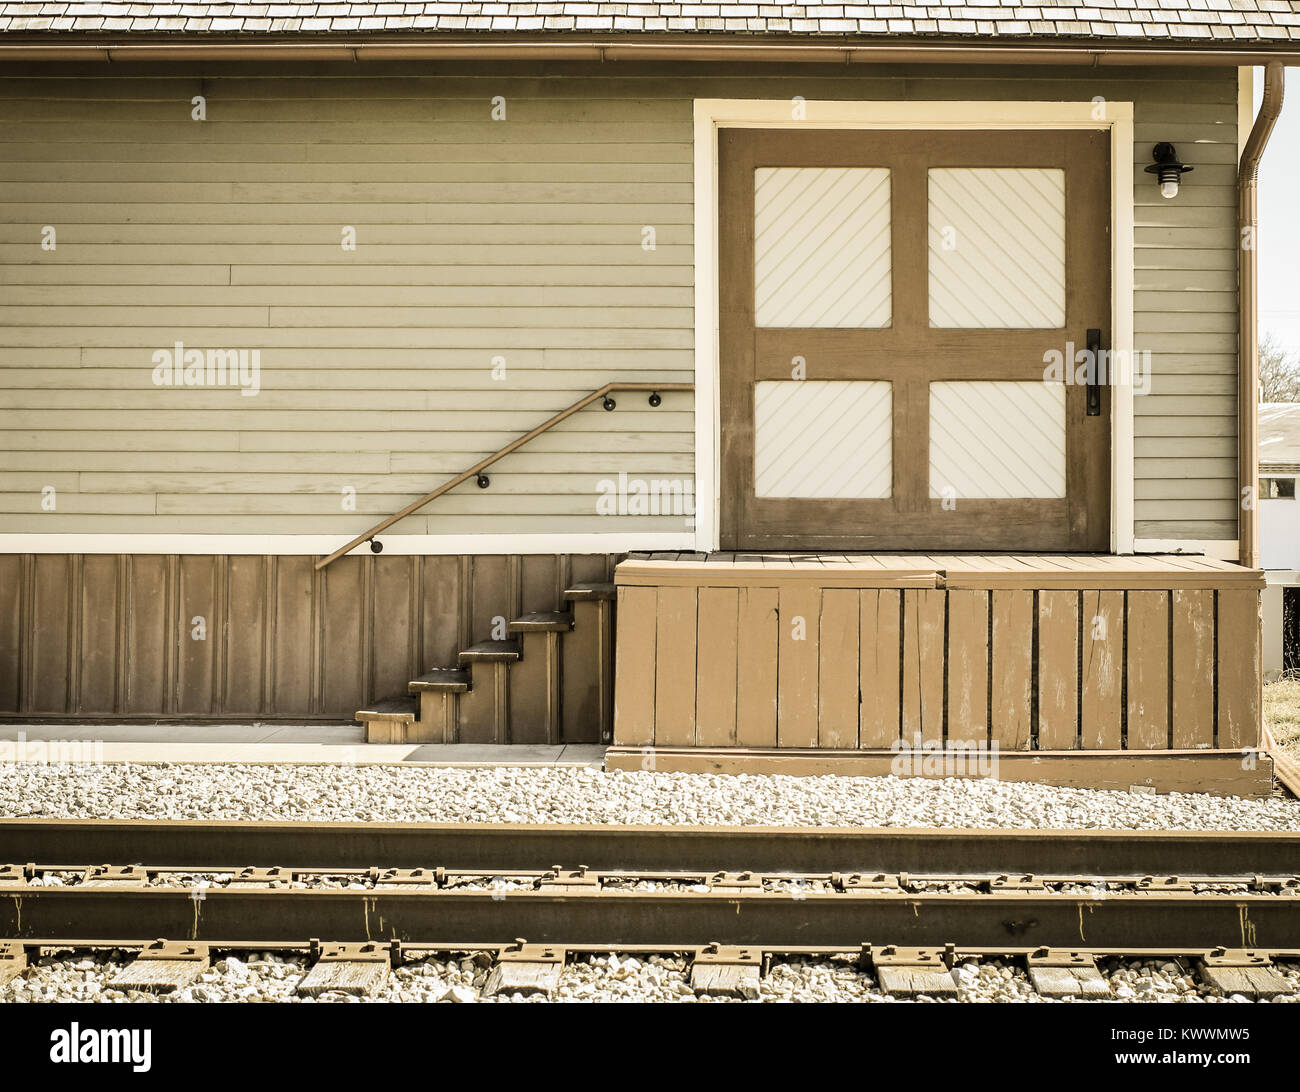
{"points": [[1167, 169]]}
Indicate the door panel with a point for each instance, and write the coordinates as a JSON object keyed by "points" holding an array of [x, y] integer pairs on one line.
{"points": [[822, 438], [993, 439], [888, 304], [997, 248], [821, 247]]}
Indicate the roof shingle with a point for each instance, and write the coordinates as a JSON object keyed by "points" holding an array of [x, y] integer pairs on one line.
{"points": [[1189, 21]]}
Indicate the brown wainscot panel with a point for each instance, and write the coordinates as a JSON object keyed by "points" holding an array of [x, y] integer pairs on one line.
{"points": [[156, 637]]}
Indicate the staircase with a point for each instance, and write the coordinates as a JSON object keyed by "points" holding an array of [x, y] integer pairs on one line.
{"points": [[550, 682]]}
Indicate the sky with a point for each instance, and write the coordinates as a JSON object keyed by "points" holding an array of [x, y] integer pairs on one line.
{"points": [[1279, 220]]}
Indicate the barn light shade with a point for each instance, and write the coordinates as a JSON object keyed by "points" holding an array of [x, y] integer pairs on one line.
{"points": [[1167, 169]]}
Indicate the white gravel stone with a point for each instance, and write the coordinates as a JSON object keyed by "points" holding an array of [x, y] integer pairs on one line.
{"points": [[583, 795], [644, 978], [580, 795]]}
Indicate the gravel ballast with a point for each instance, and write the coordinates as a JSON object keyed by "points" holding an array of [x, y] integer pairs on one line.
{"points": [[263, 977], [584, 795], [500, 794]]}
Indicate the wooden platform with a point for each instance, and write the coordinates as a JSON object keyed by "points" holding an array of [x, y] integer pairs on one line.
{"points": [[876, 656]]}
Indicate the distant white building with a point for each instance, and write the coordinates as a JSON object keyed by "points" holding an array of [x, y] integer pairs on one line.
{"points": [[1279, 526]]}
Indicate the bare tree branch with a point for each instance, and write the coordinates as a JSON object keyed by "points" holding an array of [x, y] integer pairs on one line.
{"points": [[1279, 372]]}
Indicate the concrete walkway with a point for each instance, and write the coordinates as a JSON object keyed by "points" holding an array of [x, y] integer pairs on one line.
{"points": [[263, 743]]}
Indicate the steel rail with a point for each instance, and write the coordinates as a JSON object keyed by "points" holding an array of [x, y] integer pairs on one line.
{"points": [[411, 951], [450, 877], [505, 847], [667, 921]]}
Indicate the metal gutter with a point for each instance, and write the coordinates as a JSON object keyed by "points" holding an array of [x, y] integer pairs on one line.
{"points": [[1248, 319], [637, 49]]}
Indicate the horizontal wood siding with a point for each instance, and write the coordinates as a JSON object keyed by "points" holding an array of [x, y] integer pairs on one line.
{"points": [[128, 636], [477, 239]]}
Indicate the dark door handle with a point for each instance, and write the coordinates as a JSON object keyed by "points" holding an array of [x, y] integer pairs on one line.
{"points": [[1094, 373]]}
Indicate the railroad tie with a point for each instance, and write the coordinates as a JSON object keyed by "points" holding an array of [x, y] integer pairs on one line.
{"points": [[407, 879], [568, 881], [1054, 972], [724, 971], [253, 879], [356, 969], [526, 969], [913, 972], [163, 966], [734, 883], [115, 876], [1243, 971]]}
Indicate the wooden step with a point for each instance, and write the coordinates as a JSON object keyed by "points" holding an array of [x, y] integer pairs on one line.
{"points": [[490, 652], [437, 692], [588, 590], [393, 720], [535, 680], [483, 714], [546, 621], [402, 710], [441, 680]]}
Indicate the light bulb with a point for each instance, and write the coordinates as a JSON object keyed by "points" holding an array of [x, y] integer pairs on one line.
{"points": [[1169, 189]]}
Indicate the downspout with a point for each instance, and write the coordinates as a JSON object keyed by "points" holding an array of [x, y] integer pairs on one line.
{"points": [[1248, 319]]}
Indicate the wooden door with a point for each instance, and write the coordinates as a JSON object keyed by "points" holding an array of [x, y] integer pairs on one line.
{"points": [[903, 318]]}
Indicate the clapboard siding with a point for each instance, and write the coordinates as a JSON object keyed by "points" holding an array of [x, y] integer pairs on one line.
{"points": [[476, 239]]}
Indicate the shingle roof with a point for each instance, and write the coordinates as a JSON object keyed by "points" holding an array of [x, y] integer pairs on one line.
{"points": [[1172, 22], [1279, 434]]}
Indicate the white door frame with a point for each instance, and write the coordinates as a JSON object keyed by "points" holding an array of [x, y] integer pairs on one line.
{"points": [[714, 114]]}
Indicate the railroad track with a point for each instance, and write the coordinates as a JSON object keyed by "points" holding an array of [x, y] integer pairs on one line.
{"points": [[908, 904]]}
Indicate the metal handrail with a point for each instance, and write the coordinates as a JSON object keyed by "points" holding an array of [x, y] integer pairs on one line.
{"points": [[476, 471]]}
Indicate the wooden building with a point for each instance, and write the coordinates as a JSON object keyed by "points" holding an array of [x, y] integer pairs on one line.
{"points": [[759, 386]]}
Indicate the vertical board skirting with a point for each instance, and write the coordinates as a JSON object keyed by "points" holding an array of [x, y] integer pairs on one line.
{"points": [[880, 667], [1240, 696], [218, 632], [1012, 667], [270, 573], [634, 666], [1058, 660], [968, 666], [1102, 658], [923, 665], [797, 664], [799, 613], [838, 680], [121, 680], [21, 639], [717, 695], [1191, 684], [73, 594], [1147, 670], [757, 652], [171, 633], [104, 635], [675, 667]]}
